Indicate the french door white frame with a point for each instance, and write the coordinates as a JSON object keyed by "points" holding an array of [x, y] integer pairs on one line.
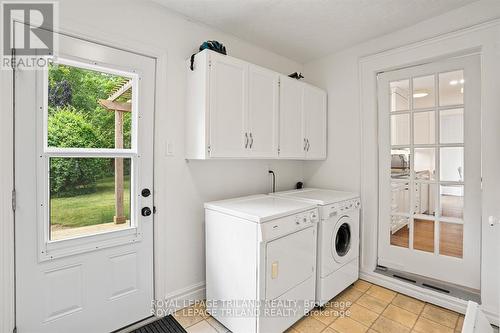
{"points": [[482, 38], [463, 271]]}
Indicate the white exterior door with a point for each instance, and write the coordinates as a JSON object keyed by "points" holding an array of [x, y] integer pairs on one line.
{"points": [[84, 251], [228, 107], [263, 112], [315, 121], [430, 170], [292, 140]]}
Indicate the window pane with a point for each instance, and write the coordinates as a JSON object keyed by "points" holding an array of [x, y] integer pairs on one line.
{"points": [[425, 198], [451, 88], [400, 234], [425, 163], [451, 126], [400, 129], [452, 164], [88, 196], [423, 235], [79, 113], [424, 127], [400, 99], [452, 201], [423, 92], [400, 163], [400, 197], [451, 239]]}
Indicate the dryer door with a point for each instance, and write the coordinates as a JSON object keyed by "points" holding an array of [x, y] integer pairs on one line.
{"points": [[290, 260]]}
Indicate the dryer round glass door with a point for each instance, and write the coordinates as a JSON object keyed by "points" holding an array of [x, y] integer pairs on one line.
{"points": [[341, 239]]}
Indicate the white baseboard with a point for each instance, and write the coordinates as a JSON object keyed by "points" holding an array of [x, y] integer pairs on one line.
{"points": [[184, 297], [426, 295]]}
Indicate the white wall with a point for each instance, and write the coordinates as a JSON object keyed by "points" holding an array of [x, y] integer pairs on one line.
{"points": [[180, 187], [339, 74]]}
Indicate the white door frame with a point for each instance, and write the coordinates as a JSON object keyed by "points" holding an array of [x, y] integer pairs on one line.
{"points": [[120, 253], [463, 271], [7, 280], [482, 38]]}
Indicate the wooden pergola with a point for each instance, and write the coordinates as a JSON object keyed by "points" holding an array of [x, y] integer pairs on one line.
{"points": [[119, 102]]}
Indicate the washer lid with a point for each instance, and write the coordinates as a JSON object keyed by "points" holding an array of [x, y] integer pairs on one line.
{"points": [[260, 208], [318, 196]]}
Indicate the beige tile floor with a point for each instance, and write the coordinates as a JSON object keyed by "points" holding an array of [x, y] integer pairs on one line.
{"points": [[363, 307]]}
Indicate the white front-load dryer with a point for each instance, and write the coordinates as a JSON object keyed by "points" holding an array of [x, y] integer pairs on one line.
{"points": [[338, 239]]}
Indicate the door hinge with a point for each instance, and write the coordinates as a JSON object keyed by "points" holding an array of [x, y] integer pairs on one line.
{"points": [[13, 200], [210, 63], [209, 149]]}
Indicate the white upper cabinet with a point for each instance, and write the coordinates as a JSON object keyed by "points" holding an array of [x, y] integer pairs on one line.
{"points": [[228, 106], [315, 122], [235, 109], [292, 140], [263, 101], [302, 120]]}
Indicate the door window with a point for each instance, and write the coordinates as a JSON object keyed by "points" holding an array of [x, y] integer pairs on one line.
{"points": [[89, 148], [427, 163]]}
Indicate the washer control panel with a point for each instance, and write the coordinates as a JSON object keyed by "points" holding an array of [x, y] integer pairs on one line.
{"points": [[344, 206]]}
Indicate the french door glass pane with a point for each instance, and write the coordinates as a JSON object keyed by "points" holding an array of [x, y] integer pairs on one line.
{"points": [[400, 197], [451, 88], [425, 163], [451, 126], [425, 198], [424, 128], [400, 163], [88, 196], [423, 92], [452, 164], [400, 129], [400, 232], [451, 239], [423, 235], [82, 112], [400, 95], [452, 201]]}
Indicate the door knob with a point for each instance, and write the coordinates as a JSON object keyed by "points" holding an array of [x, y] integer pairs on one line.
{"points": [[146, 211]]}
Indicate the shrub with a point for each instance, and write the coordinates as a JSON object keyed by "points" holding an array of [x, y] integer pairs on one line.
{"points": [[70, 176]]}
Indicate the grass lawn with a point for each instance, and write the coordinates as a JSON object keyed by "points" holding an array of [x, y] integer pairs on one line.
{"points": [[89, 209]]}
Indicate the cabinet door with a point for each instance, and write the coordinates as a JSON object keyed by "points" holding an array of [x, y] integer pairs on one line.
{"points": [[262, 112], [228, 102], [292, 140], [315, 122]]}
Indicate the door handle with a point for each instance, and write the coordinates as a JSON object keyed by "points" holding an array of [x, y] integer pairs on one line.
{"points": [[146, 211], [251, 142], [246, 140]]}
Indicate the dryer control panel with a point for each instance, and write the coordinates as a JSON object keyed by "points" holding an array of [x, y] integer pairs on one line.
{"points": [[341, 207], [286, 225]]}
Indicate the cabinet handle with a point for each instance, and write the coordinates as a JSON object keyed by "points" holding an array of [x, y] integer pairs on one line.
{"points": [[251, 142], [246, 140], [308, 145], [305, 144]]}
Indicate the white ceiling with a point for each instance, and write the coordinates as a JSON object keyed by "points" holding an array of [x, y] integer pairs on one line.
{"points": [[304, 30]]}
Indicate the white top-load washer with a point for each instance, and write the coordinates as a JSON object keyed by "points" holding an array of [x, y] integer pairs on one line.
{"points": [[338, 238], [260, 262]]}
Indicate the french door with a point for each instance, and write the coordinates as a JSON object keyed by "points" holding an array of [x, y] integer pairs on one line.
{"points": [[430, 170], [84, 166]]}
